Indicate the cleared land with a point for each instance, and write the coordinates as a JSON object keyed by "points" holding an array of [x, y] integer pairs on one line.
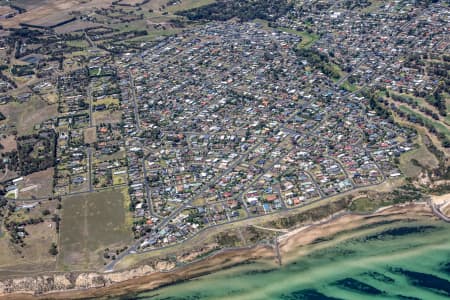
{"points": [[188, 4], [90, 223], [5, 10], [50, 11], [34, 257], [411, 163], [112, 117], [26, 115], [38, 184], [90, 135], [9, 143]]}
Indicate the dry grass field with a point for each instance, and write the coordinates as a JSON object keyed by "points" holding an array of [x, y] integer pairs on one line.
{"points": [[5, 10], [26, 115], [188, 4], [49, 12], [34, 257], [90, 135], [113, 117], [9, 143], [131, 2], [90, 223], [74, 26], [38, 184], [424, 157]]}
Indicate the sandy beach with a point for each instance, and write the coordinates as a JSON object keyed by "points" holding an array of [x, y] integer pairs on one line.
{"points": [[291, 244]]}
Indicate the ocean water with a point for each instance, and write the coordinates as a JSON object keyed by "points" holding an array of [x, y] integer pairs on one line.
{"points": [[389, 260]]}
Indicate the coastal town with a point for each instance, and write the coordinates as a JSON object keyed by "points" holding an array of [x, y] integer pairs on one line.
{"points": [[219, 121]]}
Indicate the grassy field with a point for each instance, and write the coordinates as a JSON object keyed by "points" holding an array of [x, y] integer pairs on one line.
{"points": [[440, 127], [422, 131], [26, 115], [447, 105], [34, 257], [120, 178], [106, 116], [307, 38], [372, 201], [154, 34], [348, 86], [424, 157], [78, 43], [363, 204], [38, 184], [375, 4], [90, 135], [188, 4], [49, 12], [421, 102], [107, 101], [9, 143], [90, 223]]}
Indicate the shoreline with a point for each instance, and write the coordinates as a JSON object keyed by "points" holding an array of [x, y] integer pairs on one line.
{"points": [[290, 245]]}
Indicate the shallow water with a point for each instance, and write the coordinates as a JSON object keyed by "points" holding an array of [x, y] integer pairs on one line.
{"points": [[401, 260]]}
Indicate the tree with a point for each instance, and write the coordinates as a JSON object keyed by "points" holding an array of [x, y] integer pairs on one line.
{"points": [[53, 249]]}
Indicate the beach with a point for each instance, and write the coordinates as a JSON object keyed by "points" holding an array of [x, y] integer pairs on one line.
{"points": [[299, 242]]}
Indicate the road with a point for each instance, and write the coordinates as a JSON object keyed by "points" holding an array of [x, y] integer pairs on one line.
{"points": [[166, 220], [89, 93], [438, 212], [110, 267], [91, 43], [89, 153], [135, 106], [229, 169]]}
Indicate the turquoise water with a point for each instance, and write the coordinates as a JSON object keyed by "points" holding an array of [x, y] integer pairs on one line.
{"points": [[392, 260]]}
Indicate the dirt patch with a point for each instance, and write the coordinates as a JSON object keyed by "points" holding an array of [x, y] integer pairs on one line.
{"points": [[9, 143], [50, 11], [100, 117], [38, 184], [24, 116], [4, 10], [90, 135]]}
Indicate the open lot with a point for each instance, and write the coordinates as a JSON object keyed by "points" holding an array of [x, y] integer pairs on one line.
{"points": [[188, 4], [411, 163], [38, 184], [112, 117], [34, 256], [91, 223], [26, 115], [90, 135], [48, 12], [9, 143], [5, 10]]}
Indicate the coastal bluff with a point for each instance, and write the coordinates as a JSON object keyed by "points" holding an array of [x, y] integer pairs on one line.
{"points": [[43, 284]]}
